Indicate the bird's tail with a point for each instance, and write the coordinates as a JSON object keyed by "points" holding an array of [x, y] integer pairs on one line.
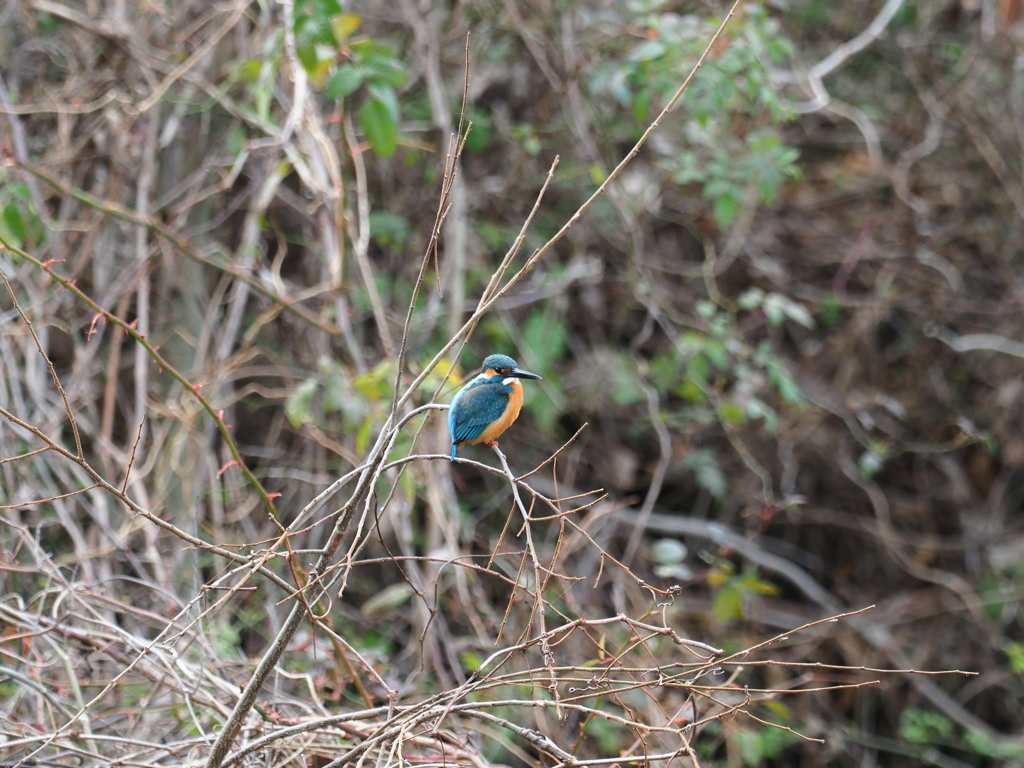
{"points": [[455, 449]]}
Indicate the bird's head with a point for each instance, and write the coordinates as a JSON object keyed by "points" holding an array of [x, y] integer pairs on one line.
{"points": [[506, 367]]}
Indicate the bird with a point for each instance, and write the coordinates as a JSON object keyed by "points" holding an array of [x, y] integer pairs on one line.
{"points": [[488, 404]]}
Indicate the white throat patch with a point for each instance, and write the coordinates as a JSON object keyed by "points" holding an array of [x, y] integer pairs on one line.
{"points": [[510, 381]]}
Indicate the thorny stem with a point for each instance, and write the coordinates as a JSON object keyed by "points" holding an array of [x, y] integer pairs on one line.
{"points": [[179, 242], [140, 338], [49, 365], [284, 636]]}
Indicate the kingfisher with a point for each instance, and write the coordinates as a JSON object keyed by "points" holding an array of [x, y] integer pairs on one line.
{"points": [[488, 405]]}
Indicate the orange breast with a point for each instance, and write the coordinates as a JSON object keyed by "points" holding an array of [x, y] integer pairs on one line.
{"points": [[499, 425]]}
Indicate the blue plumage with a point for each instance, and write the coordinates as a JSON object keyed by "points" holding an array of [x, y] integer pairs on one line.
{"points": [[476, 406], [488, 404]]}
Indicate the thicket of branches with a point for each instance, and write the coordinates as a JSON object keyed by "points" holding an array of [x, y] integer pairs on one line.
{"points": [[763, 509]]}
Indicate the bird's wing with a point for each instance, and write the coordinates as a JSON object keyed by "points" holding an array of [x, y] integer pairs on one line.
{"points": [[475, 408]]}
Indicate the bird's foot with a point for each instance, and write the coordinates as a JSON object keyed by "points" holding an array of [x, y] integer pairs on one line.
{"points": [[492, 443]]}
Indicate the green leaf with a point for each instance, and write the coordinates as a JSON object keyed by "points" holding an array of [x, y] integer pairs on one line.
{"points": [[780, 710], [749, 744], [236, 140], [707, 471], [690, 390], [388, 599], [1015, 654], [344, 83], [389, 229], [648, 51], [387, 96], [758, 409], [249, 70], [15, 223], [642, 106], [698, 368], [544, 336], [20, 190], [923, 727], [479, 136], [340, 397], [983, 744], [831, 309], [344, 25], [732, 413], [727, 604], [608, 734], [325, 9], [225, 638], [375, 385], [380, 127], [754, 583], [384, 69], [296, 407], [305, 49], [364, 434], [532, 145], [622, 386], [47, 23], [717, 354]]}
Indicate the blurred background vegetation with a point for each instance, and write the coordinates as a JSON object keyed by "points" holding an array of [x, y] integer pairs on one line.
{"points": [[793, 328]]}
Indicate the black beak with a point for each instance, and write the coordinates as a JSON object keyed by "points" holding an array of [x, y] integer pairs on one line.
{"points": [[519, 373]]}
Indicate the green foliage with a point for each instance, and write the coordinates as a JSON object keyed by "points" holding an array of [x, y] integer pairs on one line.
{"points": [[831, 310], [225, 638], [479, 137], [380, 125], [727, 138], [471, 661], [982, 744], [544, 339], [376, 69], [320, 26], [756, 745], [704, 465], [388, 599], [724, 379], [733, 592], [607, 733], [931, 729], [19, 222], [334, 400], [1015, 655], [332, 388], [923, 727], [389, 230], [343, 67], [528, 138], [374, 643]]}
